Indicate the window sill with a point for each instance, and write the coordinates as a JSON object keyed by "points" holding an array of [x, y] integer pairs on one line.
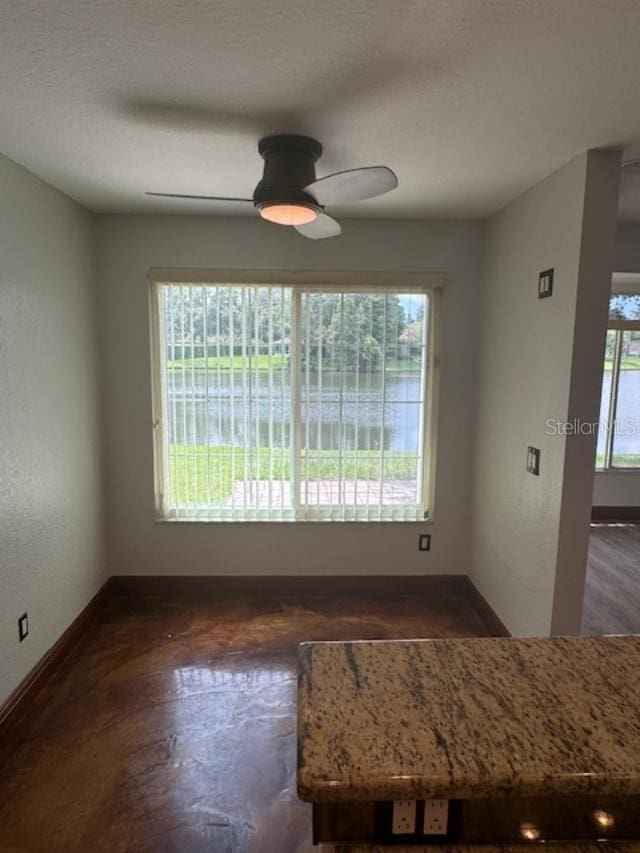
{"points": [[618, 470], [263, 521]]}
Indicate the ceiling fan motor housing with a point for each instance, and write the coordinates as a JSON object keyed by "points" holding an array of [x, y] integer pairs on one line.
{"points": [[289, 193], [289, 165]]}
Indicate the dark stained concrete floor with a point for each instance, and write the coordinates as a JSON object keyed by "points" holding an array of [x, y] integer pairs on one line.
{"points": [[171, 727]]}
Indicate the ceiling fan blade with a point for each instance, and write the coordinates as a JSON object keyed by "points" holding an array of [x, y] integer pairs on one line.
{"points": [[201, 197], [353, 185], [321, 227]]}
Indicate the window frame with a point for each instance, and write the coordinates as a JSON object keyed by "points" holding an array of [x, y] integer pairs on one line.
{"points": [[619, 326], [429, 283]]}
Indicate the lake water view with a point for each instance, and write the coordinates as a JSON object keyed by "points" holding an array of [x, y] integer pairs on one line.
{"points": [[345, 411]]}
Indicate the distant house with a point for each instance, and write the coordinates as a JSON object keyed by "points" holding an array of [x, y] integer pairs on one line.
{"points": [[410, 339], [282, 346]]}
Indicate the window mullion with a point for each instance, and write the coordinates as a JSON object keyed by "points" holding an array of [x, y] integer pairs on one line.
{"points": [[307, 397], [174, 405], [282, 397], [246, 401], [341, 493], [383, 403], [270, 409], [296, 399], [222, 453], [194, 436], [613, 399], [356, 483], [320, 300], [185, 440], [254, 349], [425, 378], [205, 353], [161, 440], [232, 427]]}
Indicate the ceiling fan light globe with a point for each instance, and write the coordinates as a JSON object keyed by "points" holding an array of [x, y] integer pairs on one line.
{"points": [[288, 214]]}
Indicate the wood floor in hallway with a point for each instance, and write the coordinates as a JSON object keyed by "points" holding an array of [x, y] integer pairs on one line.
{"points": [[612, 591], [171, 727]]}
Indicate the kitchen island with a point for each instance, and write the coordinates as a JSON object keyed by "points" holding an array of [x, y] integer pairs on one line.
{"points": [[525, 740]]}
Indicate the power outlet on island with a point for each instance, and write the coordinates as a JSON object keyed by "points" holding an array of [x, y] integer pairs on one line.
{"points": [[436, 817], [403, 821]]}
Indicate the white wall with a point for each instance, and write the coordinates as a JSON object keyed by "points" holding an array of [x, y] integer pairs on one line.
{"points": [[128, 246], [627, 248], [541, 359], [51, 557], [589, 337], [616, 488]]}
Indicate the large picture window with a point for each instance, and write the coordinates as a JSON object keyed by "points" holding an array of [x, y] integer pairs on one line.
{"points": [[279, 402], [619, 428]]}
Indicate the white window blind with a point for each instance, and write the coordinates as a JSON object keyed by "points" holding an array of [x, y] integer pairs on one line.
{"points": [[286, 403]]}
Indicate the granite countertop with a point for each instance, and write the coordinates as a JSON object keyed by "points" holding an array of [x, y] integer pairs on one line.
{"points": [[549, 847], [455, 719]]}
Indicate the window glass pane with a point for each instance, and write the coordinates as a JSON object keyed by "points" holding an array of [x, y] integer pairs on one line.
{"points": [[283, 404], [363, 366], [227, 397], [624, 306], [401, 476], [626, 441], [605, 399]]}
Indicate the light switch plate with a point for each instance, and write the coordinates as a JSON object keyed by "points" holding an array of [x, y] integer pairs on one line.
{"points": [[533, 460], [23, 627], [545, 284]]}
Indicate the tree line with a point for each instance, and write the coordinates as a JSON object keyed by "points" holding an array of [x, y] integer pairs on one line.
{"points": [[350, 329]]}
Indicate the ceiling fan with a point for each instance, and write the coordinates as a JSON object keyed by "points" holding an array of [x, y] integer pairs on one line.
{"points": [[290, 194]]}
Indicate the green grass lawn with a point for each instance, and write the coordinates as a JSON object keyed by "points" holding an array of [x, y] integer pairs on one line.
{"points": [[620, 460], [261, 362], [191, 467], [226, 362], [630, 362], [404, 365]]}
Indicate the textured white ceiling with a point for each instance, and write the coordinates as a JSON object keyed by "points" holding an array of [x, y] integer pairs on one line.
{"points": [[469, 101]]}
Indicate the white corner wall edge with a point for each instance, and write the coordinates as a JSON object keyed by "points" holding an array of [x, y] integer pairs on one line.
{"points": [[589, 337], [526, 368], [52, 556]]}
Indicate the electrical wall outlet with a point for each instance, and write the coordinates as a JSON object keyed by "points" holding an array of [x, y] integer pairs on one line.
{"points": [[436, 817], [403, 821], [424, 542], [23, 627]]}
